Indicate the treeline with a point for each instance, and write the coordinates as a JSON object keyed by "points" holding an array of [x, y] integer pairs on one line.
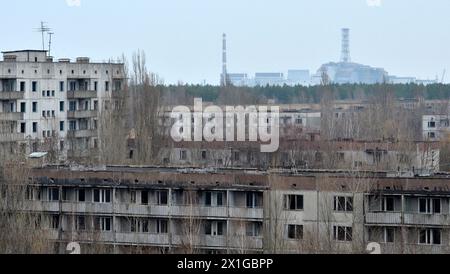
{"points": [[302, 94]]}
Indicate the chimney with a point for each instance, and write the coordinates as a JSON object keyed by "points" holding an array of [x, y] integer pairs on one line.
{"points": [[345, 55]]}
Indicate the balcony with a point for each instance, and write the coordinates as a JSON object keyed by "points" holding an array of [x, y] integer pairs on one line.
{"points": [[81, 94], [87, 133], [41, 206], [384, 218], [11, 95], [426, 219], [11, 116], [246, 213], [12, 137], [81, 114]]}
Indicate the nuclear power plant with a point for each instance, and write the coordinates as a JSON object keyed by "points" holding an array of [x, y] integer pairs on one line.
{"points": [[343, 72]]}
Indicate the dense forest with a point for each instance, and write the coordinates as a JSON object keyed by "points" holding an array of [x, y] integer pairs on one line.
{"points": [[313, 94]]}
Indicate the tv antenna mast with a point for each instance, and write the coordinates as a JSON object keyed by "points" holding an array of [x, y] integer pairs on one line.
{"points": [[43, 29], [50, 34]]}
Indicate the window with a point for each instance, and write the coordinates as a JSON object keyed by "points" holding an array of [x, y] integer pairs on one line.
{"points": [[430, 236], [106, 86], [34, 86], [144, 197], [214, 228], [162, 227], [295, 232], [61, 86], [61, 126], [72, 125], [22, 86], [72, 86], [30, 193], [343, 204], [34, 107], [431, 135], [22, 127], [103, 223], [208, 198], [204, 155], [343, 233], [236, 156], [80, 223], [54, 222], [61, 106], [432, 124], [133, 197], [429, 205], [35, 125], [299, 121], [61, 145], [293, 202], [253, 229], [387, 204], [81, 195], [72, 105], [219, 198], [162, 197], [95, 86], [53, 194], [95, 105], [102, 196], [183, 155], [53, 93], [48, 93], [22, 107], [251, 199], [389, 235]]}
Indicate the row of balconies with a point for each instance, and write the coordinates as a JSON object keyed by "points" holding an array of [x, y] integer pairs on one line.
{"points": [[132, 238], [398, 218], [145, 210]]}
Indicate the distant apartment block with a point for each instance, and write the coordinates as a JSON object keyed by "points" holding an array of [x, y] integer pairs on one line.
{"points": [[42, 100]]}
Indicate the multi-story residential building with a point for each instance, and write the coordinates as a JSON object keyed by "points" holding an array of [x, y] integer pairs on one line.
{"points": [[42, 100], [240, 210]]}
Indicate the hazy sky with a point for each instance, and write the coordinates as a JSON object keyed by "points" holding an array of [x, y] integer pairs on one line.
{"points": [[182, 38]]}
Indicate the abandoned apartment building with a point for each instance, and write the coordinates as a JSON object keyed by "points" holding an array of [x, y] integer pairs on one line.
{"points": [[45, 102], [170, 210]]}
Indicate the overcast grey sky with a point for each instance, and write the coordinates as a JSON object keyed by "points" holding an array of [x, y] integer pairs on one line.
{"points": [[182, 38]]}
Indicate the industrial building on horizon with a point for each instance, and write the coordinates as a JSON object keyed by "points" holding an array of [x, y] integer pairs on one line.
{"points": [[343, 72]]}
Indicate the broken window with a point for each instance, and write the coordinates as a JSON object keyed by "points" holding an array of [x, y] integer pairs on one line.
{"points": [[343, 204], [295, 232], [343, 233], [81, 195], [429, 205], [162, 227], [53, 194], [162, 197], [293, 202], [144, 197], [102, 196], [388, 204], [430, 236]]}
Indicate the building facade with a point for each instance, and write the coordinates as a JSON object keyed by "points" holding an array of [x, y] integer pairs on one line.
{"points": [[53, 105], [169, 210]]}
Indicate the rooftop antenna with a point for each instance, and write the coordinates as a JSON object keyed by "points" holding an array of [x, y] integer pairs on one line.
{"points": [[50, 34], [43, 29]]}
